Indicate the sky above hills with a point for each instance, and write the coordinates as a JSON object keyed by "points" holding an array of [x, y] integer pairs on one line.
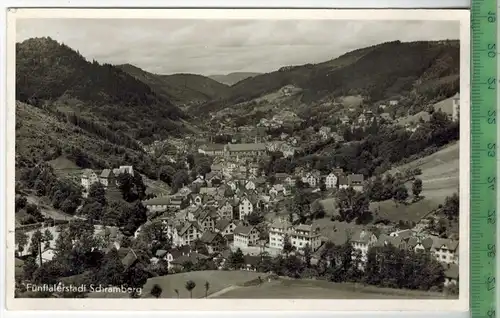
{"points": [[211, 47]]}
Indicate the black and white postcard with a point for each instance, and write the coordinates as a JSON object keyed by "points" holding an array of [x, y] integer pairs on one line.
{"points": [[238, 159]]}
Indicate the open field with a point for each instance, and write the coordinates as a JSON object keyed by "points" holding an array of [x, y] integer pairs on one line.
{"points": [[439, 177], [218, 280], [318, 289], [412, 212], [440, 173]]}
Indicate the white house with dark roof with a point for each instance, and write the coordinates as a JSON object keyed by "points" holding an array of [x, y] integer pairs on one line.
{"points": [[184, 233], [123, 169], [445, 250], [158, 204], [312, 179], [212, 149], [245, 207], [206, 218], [214, 241], [225, 227], [455, 114], [277, 231], [420, 244], [303, 234], [331, 181], [361, 241], [250, 185], [225, 209], [245, 236], [88, 178]]}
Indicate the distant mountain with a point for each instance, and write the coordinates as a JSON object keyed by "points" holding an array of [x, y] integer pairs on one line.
{"points": [[180, 88], [421, 69], [52, 76], [233, 78]]}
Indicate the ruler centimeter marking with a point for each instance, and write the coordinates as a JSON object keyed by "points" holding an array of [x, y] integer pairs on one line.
{"points": [[484, 190]]}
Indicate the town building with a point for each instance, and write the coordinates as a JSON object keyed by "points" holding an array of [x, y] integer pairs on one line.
{"points": [[361, 241], [278, 189], [245, 150], [356, 181], [214, 241], [225, 227], [245, 236], [451, 274], [303, 234], [107, 178], [212, 150], [445, 250], [206, 218], [277, 232], [123, 169], [245, 207], [158, 204], [312, 178], [88, 178], [325, 132], [173, 254], [184, 233], [193, 258], [331, 181]]}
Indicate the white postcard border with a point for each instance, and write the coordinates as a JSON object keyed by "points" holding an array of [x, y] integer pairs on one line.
{"points": [[462, 304]]}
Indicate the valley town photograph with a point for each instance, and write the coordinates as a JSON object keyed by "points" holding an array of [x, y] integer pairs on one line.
{"points": [[250, 159]]}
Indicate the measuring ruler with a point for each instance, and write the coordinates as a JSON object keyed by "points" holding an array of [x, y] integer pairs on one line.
{"points": [[484, 198]]}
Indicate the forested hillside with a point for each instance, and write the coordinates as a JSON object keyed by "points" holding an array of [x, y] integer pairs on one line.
{"points": [[52, 76], [180, 88], [419, 69]]}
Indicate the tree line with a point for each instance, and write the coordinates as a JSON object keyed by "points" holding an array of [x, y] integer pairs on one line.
{"points": [[385, 266], [64, 194]]}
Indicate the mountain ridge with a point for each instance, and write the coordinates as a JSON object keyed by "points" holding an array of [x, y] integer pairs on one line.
{"points": [[232, 78], [55, 77], [182, 88], [378, 72]]}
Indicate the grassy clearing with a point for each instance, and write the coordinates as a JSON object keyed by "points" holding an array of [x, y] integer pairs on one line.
{"points": [[218, 280], [410, 212], [440, 178], [318, 289]]}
